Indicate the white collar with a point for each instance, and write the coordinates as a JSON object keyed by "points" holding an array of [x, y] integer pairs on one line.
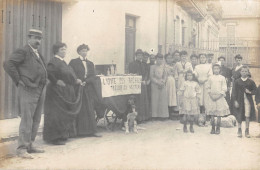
{"points": [[244, 79], [34, 50], [82, 58], [238, 67], [59, 57]]}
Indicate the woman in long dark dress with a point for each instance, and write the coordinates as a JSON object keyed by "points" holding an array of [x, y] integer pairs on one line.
{"points": [[61, 103], [137, 67], [84, 70]]}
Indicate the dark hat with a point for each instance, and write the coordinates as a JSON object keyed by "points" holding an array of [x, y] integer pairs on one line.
{"points": [[176, 51], [210, 55], [81, 47], [221, 57], [159, 55], [216, 65], [183, 53], [35, 32], [146, 54], [139, 51]]}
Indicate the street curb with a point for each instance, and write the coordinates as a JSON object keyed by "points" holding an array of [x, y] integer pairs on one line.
{"points": [[14, 137]]}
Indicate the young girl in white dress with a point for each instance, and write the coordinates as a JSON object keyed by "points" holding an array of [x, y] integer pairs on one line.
{"points": [[190, 91], [182, 67], [217, 104]]}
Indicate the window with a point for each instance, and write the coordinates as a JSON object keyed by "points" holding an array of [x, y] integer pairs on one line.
{"points": [[230, 30], [130, 22], [183, 29], [231, 33]]}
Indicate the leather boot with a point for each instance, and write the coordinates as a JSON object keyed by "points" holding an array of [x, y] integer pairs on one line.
{"points": [[212, 129], [213, 126], [191, 127], [247, 133], [185, 128], [239, 133], [217, 130]]}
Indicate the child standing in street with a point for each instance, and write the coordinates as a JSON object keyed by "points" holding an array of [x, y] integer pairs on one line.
{"points": [[190, 91], [243, 90], [217, 104], [257, 101]]}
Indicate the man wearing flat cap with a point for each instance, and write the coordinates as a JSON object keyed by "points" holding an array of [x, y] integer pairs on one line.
{"points": [[85, 71], [27, 69]]}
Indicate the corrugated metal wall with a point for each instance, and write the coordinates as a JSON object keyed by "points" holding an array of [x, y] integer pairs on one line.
{"points": [[17, 17]]}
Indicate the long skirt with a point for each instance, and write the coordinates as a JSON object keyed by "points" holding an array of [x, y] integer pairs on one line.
{"points": [[159, 102], [86, 122], [60, 109], [204, 96], [190, 106], [143, 105], [218, 108], [171, 91]]}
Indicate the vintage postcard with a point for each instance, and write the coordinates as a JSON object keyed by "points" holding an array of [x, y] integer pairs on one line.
{"points": [[129, 84]]}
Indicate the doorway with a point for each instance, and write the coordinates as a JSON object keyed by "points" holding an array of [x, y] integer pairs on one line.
{"points": [[130, 33]]}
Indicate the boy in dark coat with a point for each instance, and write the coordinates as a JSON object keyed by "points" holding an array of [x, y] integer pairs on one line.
{"points": [[243, 91], [257, 101]]}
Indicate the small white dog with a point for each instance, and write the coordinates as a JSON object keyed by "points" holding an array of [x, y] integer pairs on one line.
{"points": [[131, 124], [227, 122]]}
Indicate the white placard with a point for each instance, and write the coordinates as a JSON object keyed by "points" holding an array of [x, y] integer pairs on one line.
{"points": [[120, 85]]}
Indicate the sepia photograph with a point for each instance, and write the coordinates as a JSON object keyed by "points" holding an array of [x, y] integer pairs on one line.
{"points": [[130, 84]]}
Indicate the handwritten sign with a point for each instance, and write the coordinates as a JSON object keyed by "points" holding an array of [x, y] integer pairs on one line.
{"points": [[120, 85]]}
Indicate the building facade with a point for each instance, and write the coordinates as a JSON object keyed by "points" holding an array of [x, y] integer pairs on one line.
{"points": [[240, 34], [112, 29], [17, 17], [240, 31], [192, 26]]}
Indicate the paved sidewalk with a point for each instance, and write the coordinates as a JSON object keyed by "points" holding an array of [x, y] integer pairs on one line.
{"points": [[9, 129]]}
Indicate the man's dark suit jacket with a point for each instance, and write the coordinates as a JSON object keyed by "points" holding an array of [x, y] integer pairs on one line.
{"points": [[24, 65]]}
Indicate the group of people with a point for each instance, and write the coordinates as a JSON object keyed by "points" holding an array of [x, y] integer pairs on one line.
{"points": [[172, 85], [64, 91]]}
